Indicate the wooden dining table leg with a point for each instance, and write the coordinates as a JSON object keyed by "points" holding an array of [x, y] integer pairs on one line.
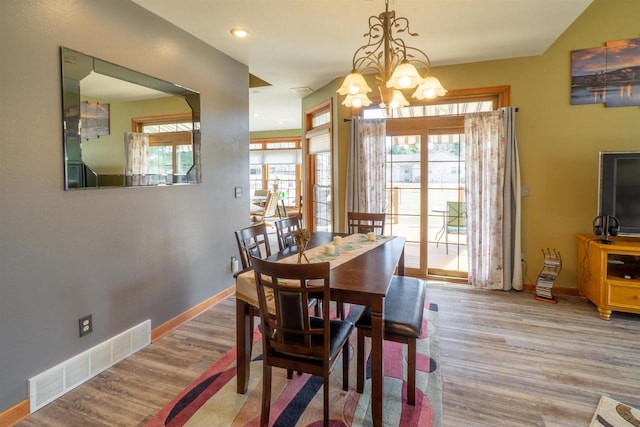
{"points": [[244, 340], [377, 366]]}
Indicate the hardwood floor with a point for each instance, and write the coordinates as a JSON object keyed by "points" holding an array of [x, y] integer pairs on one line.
{"points": [[506, 360]]}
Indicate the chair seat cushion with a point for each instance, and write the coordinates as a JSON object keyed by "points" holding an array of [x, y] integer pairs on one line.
{"points": [[340, 330], [403, 308]]}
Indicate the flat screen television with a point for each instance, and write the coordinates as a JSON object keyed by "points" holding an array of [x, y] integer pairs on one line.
{"points": [[619, 189]]}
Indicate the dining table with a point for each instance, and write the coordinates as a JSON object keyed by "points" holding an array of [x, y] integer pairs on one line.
{"points": [[361, 270]]}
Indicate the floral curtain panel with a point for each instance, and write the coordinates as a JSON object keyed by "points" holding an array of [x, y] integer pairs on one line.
{"points": [[366, 167], [137, 162], [493, 200]]}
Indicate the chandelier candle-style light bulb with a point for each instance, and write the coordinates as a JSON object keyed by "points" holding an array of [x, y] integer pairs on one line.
{"points": [[393, 63], [354, 84], [405, 76], [398, 100], [357, 101], [429, 89]]}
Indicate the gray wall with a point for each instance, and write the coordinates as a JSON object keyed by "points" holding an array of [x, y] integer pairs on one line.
{"points": [[124, 255]]}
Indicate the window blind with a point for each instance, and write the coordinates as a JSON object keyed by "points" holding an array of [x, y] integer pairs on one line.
{"points": [[277, 157], [319, 141]]}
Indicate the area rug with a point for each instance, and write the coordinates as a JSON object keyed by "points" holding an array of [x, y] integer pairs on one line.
{"points": [[212, 400], [611, 413]]}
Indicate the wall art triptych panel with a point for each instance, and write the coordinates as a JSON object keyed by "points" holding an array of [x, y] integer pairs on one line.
{"points": [[609, 74]]}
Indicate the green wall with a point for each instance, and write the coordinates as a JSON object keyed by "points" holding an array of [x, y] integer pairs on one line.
{"points": [[558, 143]]}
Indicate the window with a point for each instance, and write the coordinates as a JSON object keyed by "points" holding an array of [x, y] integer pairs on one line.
{"points": [[170, 145], [319, 190], [276, 163]]}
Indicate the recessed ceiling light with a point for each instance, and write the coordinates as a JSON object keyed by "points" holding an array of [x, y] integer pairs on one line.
{"points": [[239, 32]]}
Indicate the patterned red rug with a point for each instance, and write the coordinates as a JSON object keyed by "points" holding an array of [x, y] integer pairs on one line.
{"points": [[212, 400]]}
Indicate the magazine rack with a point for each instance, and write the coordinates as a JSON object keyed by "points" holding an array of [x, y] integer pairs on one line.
{"points": [[548, 275]]}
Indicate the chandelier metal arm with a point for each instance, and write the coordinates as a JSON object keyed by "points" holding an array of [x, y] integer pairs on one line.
{"points": [[423, 62], [368, 57], [374, 43]]}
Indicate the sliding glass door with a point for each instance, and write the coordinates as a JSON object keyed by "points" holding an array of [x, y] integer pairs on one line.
{"points": [[446, 207], [425, 194], [404, 195]]}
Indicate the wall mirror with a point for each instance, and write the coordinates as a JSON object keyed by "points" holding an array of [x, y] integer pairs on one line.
{"points": [[126, 129]]}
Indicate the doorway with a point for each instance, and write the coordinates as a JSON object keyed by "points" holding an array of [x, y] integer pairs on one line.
{"points": [[425, 186]]}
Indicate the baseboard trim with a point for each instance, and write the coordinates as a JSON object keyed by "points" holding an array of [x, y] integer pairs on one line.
{"points": [[556, 290], [14, 414], [171, 324], [20, 410]]}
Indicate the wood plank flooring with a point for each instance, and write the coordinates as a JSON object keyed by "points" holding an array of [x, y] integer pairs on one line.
{"points": [[506, 360]]}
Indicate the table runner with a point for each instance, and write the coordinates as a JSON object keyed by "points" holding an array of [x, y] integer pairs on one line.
{"points": [[352, 246]]}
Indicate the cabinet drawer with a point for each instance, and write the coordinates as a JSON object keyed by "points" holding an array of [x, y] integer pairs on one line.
{"points": [[624, 295]]}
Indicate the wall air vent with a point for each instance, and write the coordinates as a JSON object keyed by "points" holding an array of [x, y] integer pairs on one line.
{"points": [[56, 381]]}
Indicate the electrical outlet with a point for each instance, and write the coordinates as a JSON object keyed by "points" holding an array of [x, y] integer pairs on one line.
{"points": [[86, 325]]}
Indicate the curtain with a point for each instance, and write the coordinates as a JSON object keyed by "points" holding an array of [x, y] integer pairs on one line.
{"points": [[137, 161], [493, 200], [512, 238], [366, 166]]}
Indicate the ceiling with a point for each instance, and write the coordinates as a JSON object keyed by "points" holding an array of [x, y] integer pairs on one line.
{"points": [[104, 87], [308, 43]]}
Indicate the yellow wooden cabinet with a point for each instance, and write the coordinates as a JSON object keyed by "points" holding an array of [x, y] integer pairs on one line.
{"points": [[609, 275]]}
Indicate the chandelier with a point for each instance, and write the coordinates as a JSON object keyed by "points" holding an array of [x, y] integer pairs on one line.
{"points": [[394, 64]]}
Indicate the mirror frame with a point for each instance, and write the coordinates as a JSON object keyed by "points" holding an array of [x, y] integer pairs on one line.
{"points": [[77, 65]]}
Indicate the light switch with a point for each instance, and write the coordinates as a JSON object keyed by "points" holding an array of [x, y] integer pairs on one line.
{"points": [[238, 192]]}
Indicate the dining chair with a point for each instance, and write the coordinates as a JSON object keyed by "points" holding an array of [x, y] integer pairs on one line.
{"points": [[455, 221], [285, 229], [270, 209], [403, 315], [298, 212], [292, 338], [363, 222], [252, 241], [281, 209]]}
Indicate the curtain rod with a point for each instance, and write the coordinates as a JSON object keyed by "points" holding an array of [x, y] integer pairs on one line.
{"points": [[517, 110]]}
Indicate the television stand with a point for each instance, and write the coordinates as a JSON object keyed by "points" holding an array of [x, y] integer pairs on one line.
{"points": [[609, 274], [605, 241]]}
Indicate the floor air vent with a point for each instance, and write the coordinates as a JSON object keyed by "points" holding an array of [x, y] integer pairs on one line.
{"points": [[54, 382]]}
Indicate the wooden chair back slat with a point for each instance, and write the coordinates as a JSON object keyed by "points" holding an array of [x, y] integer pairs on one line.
{"points": [[363, 222], [291, 330], [252, 241], [285, 228]]}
